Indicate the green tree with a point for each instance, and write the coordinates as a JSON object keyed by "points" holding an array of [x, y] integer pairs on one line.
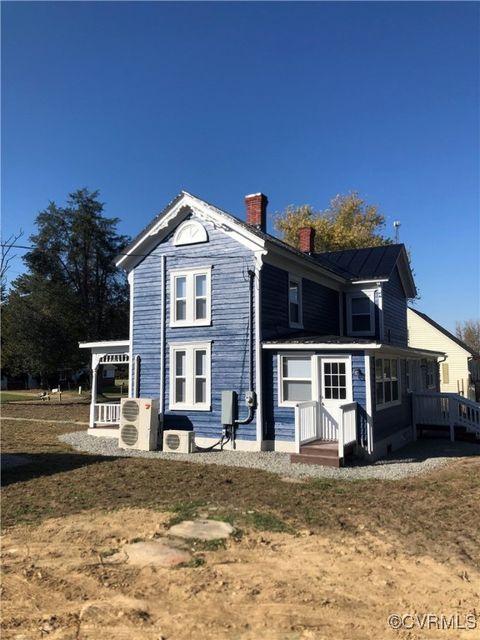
{"points": [[71, 292], [469, 332], [349, 222]]}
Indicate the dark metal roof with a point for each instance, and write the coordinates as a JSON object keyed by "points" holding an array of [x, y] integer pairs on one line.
{"points": [[362, 264], [445, 332]]}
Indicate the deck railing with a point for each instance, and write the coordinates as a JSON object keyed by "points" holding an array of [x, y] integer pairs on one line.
{"points": [[306, 423], [446, 409], [347, 429], [107, 413]]}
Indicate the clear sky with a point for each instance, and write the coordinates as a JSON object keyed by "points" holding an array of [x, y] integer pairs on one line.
{"points": [[301, 101]]}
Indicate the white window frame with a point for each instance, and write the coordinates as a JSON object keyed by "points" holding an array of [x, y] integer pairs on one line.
{"points": [[370, 294], [298, 281], [190, 349], [281, 379], [189, 275], [391, 403]]}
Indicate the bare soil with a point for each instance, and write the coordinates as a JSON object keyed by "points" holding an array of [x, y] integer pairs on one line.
{"points": [[318, 559]]}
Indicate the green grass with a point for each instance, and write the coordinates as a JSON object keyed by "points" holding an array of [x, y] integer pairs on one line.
{"points": [[13, 396], [183, 511], [264, 521]]}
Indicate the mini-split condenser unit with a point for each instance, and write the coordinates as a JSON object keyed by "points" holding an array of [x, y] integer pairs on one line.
{"points": [[138, 424], [179, 441]]}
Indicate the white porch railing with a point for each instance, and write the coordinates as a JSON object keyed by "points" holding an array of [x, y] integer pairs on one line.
{"points": [[446, 409], [306, 423], [107, 413], [347, 429], [313, 424]]}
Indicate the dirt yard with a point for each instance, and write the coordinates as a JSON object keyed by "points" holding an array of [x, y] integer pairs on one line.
{"points": [[309, 560]]}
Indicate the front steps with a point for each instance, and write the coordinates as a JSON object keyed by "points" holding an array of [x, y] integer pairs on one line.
{"points": [[318, 452]]}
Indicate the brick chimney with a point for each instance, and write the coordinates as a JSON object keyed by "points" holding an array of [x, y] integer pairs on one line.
{"points": [[306, 239], [256, 205]]}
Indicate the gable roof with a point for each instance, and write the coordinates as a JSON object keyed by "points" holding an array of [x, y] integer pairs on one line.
{"points": [[343, 266], [444, 331]]}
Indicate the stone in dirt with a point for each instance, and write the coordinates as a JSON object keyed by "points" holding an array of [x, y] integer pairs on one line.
{"points": [[202, 529], [154, 553]]}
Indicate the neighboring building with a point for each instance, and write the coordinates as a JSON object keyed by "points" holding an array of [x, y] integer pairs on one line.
{"points": [[460, 369], [321, 339]]}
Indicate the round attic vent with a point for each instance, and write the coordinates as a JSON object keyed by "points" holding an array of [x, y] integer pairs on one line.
{"points": [[129, 434], [173, 441], [130, 410]]}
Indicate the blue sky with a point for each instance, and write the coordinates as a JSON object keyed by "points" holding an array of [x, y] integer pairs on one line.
{"points": [[299, 100]]}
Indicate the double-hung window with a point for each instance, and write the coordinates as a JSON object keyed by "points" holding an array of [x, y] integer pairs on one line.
{"points": [[387, 376], [295, 302], [295, 379], [190, 373], [190, 297], [360, 314]]}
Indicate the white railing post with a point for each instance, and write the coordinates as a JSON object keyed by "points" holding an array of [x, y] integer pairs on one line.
{"points": [[297, 428]]}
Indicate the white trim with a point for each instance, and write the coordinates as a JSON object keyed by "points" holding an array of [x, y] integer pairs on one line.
{"points": [[314, 346], [381, 320], [285, 260], [186, 205], [238, 445], [391, 403], [369, 403], [163, 312], [190, 274], [280, 356], [190, 348], [321, 360], [292, 278], [258, 346], [370, 295], [131, 282], [187, 231], [372, 281], [105, 344], [283, 446]]}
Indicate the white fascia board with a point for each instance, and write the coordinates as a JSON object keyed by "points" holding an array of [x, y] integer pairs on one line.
{"points": [[320, 345], [185, 204], [287, 261], [372, 281], [105, 344], [410, 352]]}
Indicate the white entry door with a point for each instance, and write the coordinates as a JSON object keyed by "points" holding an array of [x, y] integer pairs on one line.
{"points": [[335, 389]]}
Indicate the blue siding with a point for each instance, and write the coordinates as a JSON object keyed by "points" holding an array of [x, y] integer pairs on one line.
{"points": [[360, 395], [395, 311], [320, 305], [280, 421], [229, 333], [388, 421]]}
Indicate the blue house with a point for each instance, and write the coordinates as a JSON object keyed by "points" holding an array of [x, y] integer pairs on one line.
{"points": [[314, 346]]}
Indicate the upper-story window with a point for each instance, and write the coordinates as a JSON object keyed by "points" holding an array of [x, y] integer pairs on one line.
{"points": [[295, 302], [190, 297], [360, 314]]}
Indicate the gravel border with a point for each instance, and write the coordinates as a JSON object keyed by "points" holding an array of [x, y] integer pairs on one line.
{"points": [[416, 458]]}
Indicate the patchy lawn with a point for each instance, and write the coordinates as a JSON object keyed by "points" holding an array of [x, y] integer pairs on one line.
{"points": [[379, 546]]}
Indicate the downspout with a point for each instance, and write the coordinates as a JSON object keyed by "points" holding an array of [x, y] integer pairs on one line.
{"points": [[250, 397], [162, 339]]}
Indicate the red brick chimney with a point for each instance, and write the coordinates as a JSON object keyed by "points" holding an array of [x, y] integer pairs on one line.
{"points": [[306, 239], [257, 210]]}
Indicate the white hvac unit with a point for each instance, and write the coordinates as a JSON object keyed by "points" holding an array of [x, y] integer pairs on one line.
{"points": [[179, 441], [138, 424]]}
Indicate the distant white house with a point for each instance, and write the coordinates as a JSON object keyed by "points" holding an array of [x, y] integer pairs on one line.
{"points": [[460, 371]]}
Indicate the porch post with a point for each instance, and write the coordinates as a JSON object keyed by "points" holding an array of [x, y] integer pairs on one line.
{"points": [[93, 398]]}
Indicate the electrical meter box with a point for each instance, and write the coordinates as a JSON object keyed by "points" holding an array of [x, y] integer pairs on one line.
{"points": [[229, 405]]}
